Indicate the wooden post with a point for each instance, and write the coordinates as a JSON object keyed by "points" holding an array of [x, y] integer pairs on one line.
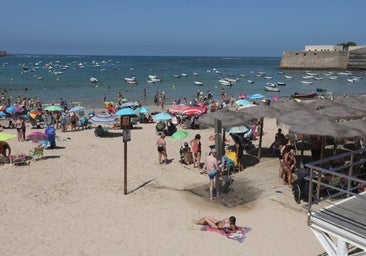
{"points": [[260, 138], [125, 168]]}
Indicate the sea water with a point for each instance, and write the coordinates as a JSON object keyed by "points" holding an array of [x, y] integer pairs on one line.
{"points": [[51, 77]]}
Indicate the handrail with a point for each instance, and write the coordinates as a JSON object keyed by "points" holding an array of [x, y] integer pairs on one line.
{"points": [[317, 172]]}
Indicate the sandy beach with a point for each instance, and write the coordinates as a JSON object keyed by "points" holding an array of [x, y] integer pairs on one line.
{"points": [[71, 201]]}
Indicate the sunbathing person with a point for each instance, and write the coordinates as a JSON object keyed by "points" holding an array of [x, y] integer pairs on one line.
{"points": [[227, 225]]}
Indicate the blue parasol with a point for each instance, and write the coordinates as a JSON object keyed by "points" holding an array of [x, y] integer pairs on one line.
{"points": [[76, 109], [163, 116], [256, 96], [126, 112], [103, 118]]}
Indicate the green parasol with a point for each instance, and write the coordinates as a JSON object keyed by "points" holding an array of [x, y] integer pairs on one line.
{"points": [[178, 135], [54, 108]]}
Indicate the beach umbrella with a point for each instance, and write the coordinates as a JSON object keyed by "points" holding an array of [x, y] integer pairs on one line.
{"points": [[242, 102], [193, 111], [6, 136], [14, 109], [163, 116], [324, 127], [53, 108], [129, 104], [256, 96], [143, 109], [338, 112], [237, 129], [126, 112], [180, 134], [177, 108], [37, 136], [34, 113], [103, 118], [77, 108]]}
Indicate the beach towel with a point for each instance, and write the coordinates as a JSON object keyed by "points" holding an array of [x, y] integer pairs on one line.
{"points": [[239, 236]]}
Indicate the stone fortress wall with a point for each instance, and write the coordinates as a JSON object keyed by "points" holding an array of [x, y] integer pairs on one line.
{"points": [[325, 57]]}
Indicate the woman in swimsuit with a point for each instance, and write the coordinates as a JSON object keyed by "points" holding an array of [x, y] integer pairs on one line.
{"points": [[196, 149], [18, 126], [161, 144], [227, 225]]}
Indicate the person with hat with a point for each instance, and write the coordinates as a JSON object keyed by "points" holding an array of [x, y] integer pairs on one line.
{"points": [[211, 167]]}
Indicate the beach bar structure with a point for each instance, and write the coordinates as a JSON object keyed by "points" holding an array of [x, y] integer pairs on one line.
{"points": [[340, 226]]}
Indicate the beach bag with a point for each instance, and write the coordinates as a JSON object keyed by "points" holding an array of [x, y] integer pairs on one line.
{"points": [[212, 173]]}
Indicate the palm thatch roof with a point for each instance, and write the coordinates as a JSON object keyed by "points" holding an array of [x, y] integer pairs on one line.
{"points": [[227, 117], [324, 128]]}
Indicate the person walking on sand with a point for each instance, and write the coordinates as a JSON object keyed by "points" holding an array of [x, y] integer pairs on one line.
{"points": [[211, 167], [196, 149], [18, 126], [161, 144]]}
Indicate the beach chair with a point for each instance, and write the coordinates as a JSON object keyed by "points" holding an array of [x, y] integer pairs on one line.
{"points": [[37, 152]]}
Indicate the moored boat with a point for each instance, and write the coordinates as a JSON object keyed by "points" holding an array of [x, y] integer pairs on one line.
{"points": [[198, 83], [93, 80], [271, 87], [309, 95]]}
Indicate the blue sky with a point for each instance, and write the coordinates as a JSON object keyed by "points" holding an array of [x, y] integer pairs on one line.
{"points": [[177, 27]]}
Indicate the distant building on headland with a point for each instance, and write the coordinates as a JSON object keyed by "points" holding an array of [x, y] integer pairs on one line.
{"points": [[333, 57], [2, 53]]}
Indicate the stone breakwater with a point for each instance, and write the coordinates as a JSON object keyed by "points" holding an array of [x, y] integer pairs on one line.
{"points": [[342, 60]]}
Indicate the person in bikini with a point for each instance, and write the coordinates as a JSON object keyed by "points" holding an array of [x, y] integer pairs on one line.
{"points": [[196, 149], [161, 147], [18, 126], [227, 225]]}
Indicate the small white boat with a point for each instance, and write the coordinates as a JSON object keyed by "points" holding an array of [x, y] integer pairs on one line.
{"points": [[93, 80], [153, 79], [352, 80], [184, 75], [307, 77], [287, 77], [318, 78], [333, 77], [306, 82], [225, 82], [232, 80], [198, 83], [272, 87], [131, 80], [281, 83], [195, 73], [250, 81]]}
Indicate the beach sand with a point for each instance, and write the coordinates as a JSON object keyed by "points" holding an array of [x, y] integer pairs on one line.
{"points": [[72, 201]]}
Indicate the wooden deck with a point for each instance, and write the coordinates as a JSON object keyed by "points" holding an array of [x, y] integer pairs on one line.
{"points": [[346, 220], [343, 224]]}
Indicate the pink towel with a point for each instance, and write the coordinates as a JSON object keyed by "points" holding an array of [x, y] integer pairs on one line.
{"points": [[239, 236]]}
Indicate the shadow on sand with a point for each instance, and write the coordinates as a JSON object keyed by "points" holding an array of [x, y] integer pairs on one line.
{"points": [[239, 193]]}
